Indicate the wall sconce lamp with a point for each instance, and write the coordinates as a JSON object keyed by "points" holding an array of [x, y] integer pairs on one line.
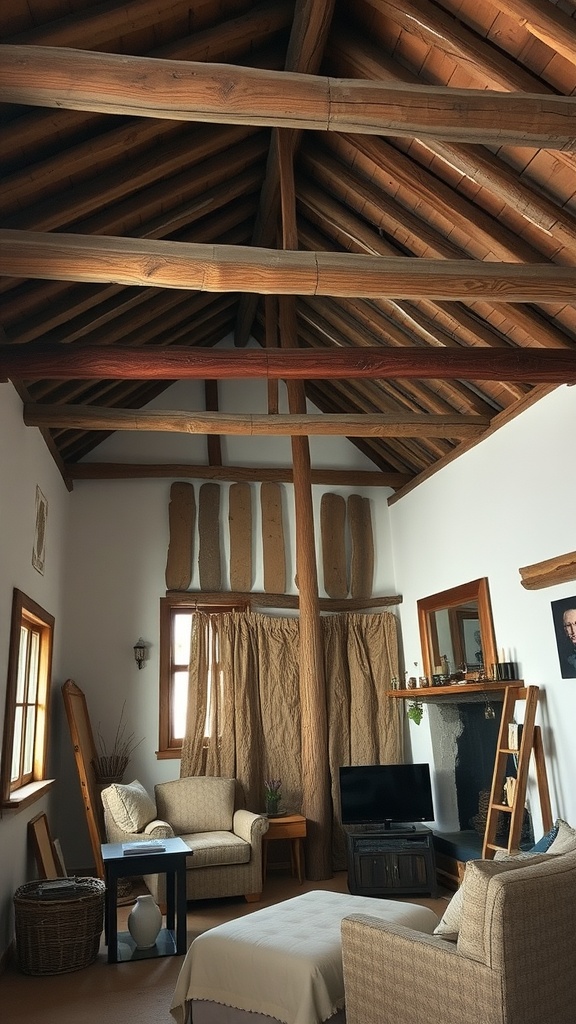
{"points": [[140, 651]]}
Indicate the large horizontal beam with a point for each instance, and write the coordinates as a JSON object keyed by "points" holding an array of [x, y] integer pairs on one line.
{"points": [[77, 417], [77, 362], [221, 93], [259, 599], [234, 268], [237, 474]]}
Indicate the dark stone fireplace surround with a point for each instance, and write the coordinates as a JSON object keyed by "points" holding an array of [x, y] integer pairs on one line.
{"points": [[464, 742]]}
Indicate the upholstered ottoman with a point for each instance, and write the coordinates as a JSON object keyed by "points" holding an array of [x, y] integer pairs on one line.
{"points": [[283, 962]]}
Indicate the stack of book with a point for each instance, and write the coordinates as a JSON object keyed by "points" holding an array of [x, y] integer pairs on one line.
{"points": [[59, 888], [143, 846]]}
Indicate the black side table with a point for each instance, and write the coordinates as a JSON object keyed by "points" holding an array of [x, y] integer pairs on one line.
{"points": [[172, 862]]}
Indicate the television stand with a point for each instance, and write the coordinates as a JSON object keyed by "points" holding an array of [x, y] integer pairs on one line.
{"points": [[392, 862]]}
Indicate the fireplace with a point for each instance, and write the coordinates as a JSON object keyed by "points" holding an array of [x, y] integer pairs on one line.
{"points": [[464, 741]]}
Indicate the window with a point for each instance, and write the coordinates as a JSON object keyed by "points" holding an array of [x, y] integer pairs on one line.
{"points": [[176, 613], [24, 750]]}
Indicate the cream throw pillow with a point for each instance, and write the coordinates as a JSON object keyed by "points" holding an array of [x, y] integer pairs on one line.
{"points": [[565, 841], [449, 925], [131, 806]]}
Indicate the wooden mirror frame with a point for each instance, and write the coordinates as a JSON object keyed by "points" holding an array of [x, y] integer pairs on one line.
{"points": [[476, 590], [47, 859]]}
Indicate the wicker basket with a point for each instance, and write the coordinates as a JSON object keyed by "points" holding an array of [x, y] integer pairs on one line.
{"points": [[58, 933]]}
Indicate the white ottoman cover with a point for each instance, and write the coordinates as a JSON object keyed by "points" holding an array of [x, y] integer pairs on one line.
{"points": [[284, 961]]}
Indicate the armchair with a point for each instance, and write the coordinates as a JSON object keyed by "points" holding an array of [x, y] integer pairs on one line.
{"points": [[513, 962], [225, 840]]}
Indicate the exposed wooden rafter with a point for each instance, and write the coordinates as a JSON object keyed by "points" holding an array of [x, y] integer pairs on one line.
{"points": [[192, 91], [291, 424], [223, 268], [549, 573], [237, 474], [75, 362], [396, 180]]}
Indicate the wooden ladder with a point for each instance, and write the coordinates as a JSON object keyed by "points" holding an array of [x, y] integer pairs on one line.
{"points": [[531, 741]]}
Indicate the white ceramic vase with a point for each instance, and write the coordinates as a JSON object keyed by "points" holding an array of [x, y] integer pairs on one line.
{"points": [[145, 922]]}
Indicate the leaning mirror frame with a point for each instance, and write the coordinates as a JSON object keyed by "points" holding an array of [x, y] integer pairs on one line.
{"points": [[475, 591]]}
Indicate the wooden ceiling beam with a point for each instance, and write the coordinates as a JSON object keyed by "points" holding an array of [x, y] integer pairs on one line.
{"points": [[193, 91], [400, 453], [368, 396], [440, 29], [236, 474], [227, 41], [360, 59], [178, 174], [39, 309], [357, 237], [79, 417], [75, 362], [104, 24], [431, 323], [224, 268], [308, 38], [345, 322], [442, 201], [546, 22]]}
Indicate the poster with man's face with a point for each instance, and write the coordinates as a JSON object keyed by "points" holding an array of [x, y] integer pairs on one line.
{"points": [[564, 615]]}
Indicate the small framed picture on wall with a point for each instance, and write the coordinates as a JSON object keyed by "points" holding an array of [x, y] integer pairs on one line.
{"points": [[564, 616], [39, 548]]}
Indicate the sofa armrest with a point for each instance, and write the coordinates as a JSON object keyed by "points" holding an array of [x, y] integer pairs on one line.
{"points": [[159, 829], [156, 829], [249, 826], [395, 975]]}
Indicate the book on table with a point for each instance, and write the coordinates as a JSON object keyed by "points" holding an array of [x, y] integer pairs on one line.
{"points": [[143, 846]]}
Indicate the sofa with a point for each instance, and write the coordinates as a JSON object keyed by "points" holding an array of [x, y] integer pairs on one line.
{"points": [[504, 952], [225, 839]]}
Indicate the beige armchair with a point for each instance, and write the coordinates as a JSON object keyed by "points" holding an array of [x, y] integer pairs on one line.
{"points": [[225, 840], [513, 962]]}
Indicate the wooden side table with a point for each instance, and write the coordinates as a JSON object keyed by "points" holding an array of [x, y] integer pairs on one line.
{"points": [[293, 828], [171, 861]]}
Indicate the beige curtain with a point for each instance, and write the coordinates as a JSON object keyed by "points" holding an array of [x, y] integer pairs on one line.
{"points": [[364, 725], [254, 712], [254, 704]]}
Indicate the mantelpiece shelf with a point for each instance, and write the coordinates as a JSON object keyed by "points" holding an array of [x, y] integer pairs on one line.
{"points": [[430, 693]]}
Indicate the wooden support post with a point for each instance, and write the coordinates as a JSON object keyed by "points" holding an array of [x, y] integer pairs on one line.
{"points": [[316, 804]]}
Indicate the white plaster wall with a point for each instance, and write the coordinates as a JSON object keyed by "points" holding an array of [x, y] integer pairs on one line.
{"points": [[25, 463], [507, 503]]}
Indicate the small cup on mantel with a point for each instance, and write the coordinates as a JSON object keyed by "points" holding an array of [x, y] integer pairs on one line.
{"points": [[505, 670]]}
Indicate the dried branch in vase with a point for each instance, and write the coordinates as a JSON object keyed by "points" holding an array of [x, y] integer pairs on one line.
{"points": [[110, 765]]}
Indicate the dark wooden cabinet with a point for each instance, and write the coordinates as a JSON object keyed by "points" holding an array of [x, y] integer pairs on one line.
{"points": [[394, 862]]}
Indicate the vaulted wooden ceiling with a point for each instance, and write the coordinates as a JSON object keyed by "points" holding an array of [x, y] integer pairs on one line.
{"points": [[434, 194]]}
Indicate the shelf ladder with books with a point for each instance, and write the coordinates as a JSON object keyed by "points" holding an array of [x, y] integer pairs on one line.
{"points": [[530, 742]]}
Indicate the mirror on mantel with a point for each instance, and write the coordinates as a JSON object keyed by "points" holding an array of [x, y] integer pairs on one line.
{"points": [[457, 624]]}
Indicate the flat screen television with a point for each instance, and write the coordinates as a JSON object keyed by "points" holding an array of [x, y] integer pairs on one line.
{"points": [[385, 794]]}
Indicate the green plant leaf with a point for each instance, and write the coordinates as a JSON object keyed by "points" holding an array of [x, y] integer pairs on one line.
{"points": [[415, 712]]}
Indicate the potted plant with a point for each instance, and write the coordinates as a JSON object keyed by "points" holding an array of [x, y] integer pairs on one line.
{"points": [[273, 795]]}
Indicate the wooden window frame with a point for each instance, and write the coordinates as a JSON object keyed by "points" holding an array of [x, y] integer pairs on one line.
{"points": [[168, 747], [20, 794]]}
